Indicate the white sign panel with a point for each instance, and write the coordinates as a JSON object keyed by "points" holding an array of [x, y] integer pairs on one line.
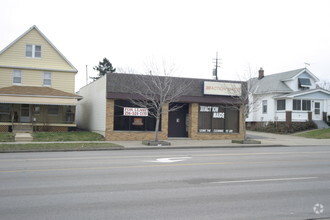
{"points": [[135, 111], [222, 88], [213, 109]]}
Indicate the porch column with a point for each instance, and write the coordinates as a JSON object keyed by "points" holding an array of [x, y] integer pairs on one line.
{"points": [[325, 116], [288, 118], [310, 116]]}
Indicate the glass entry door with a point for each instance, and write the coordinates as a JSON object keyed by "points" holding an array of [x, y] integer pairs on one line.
{"points": [[25, 113]]}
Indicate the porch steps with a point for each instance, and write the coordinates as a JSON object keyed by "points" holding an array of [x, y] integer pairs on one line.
{"points": [[22, 129], [321, 124], [23, 137]]}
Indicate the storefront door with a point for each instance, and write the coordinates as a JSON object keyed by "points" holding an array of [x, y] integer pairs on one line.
{"points": [[177, 122], [25, 113]]}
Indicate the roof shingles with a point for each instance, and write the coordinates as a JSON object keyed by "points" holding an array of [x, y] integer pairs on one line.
{"points": [[36, 91]]}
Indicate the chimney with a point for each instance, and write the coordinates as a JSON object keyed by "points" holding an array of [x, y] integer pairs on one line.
{"points": [[261, 73]]}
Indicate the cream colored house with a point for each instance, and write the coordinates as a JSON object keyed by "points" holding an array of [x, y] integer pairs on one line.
{"points": [[36, 85]]}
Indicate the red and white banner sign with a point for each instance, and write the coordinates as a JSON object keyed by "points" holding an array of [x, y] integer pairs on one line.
{"points": [[135, 111]]}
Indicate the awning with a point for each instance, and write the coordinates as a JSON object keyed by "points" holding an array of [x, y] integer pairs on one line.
{"points": [[38, 100], [304, 82]]}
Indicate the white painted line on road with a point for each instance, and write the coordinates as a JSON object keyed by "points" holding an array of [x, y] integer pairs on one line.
{"points": [[264, 180], [169, 160]]}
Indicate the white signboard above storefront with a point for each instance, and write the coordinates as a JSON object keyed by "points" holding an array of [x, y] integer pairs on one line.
{"points": [[222, 88], [128, 111]]}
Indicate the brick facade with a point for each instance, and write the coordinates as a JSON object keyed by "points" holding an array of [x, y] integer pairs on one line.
{"points": [[112, 135], [193, 133], [193, 127]]}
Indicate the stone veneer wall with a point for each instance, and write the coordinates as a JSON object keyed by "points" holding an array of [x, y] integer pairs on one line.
{"points": [[193, 127], [111, 135]]}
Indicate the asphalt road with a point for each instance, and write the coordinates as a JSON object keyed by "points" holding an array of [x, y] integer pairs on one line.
{"points": [[265, 183]]}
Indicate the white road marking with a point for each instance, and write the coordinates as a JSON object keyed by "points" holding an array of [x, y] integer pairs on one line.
{"points": [[169, 160], [264, 180]]}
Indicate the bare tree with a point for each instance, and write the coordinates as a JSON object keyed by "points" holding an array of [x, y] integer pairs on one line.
{"points": [[248, 100], [157, 88], [324, 85]]}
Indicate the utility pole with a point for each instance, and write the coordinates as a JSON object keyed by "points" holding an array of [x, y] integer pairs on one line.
{"points": [[217, 64]]}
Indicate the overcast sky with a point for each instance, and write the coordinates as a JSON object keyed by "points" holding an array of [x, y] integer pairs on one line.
{"points": [[276, 35]]}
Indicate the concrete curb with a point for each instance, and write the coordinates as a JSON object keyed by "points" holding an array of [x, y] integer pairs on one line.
{"points": [[155, 148]]}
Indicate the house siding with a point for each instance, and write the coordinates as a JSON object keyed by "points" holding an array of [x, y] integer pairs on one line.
{"points": [[91, 110], [60, 80], [50, 58]]}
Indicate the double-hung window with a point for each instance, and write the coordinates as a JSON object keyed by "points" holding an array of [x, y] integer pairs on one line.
{"points": [[33, 51], [17, 77], [47, 78], [281, 104], [304, 105]]}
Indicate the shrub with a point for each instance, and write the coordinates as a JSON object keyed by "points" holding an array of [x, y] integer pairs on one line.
{"points": [[284, 128]]}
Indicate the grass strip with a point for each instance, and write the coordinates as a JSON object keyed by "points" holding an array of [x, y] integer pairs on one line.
{"points": [[318, 134], [58, 147], [6, 137], [66, 136]]}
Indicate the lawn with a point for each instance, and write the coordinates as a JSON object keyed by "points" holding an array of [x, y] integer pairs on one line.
{"points": [[57, 147], [6, 137], [318, 134], [66, 136]]}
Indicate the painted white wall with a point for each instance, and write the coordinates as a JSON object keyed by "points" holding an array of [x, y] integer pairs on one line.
{"points": [[256, 113], [91, 110], [293, 84]]}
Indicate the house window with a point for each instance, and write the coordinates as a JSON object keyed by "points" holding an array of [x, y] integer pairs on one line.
{"points": [[17, 77], [299, 105], [127, 119], [304, 83], [306, 105], [218, 119], [281, 104], [36, 110], [5, 112], [53, 110], [264, 106], [33, 51], [47, 78]]}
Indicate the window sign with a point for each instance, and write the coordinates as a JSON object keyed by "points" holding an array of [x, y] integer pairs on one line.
{"points": [[213, 109], [218, 119], [138, 121], [135, 111], [133, 118]]}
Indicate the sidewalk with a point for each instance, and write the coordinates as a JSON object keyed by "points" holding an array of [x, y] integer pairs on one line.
{"points": [[267, 140]]}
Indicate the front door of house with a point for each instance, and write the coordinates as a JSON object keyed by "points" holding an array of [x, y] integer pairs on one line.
{"points": [[25, 113], [317, 111], [178, 121]]}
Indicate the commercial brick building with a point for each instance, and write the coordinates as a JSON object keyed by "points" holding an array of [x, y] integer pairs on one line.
{"points": [[210, 109]]}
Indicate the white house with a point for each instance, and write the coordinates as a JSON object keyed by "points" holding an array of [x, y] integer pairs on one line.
{"points": [[291, 96]]}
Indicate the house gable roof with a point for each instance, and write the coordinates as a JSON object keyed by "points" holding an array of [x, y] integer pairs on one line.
{"points": [[34, 28], [275, 82]]}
